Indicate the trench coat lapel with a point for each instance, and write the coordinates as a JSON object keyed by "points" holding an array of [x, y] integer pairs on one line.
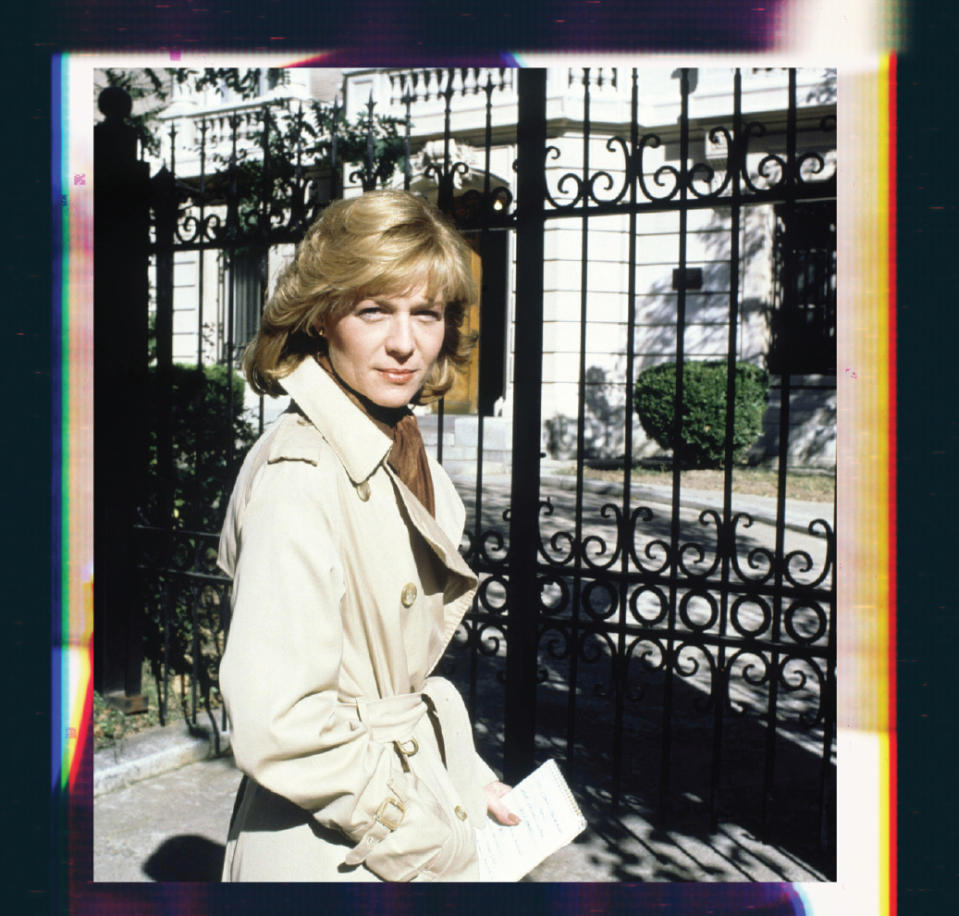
{"points": [[440, 540], [461, 582], [362, 448], [356, 441]]}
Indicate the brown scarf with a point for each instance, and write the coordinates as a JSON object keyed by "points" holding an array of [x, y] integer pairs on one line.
{"points": [[407, 454]]}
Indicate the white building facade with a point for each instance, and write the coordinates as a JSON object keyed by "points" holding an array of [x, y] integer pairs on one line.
{"points": [[610, 271]]}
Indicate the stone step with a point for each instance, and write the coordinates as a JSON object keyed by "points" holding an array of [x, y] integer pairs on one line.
{"points": [[461, 437], [466, 470]]}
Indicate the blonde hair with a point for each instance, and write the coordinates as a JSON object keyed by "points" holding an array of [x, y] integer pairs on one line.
{"points": [[379, 244]]}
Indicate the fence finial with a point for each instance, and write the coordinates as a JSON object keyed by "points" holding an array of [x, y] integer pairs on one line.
{"points": [[115, 103]]}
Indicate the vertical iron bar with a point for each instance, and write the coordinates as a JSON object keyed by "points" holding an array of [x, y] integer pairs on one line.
{"points": [[725, 535], [483, 247], [445, 191], [523, 591], [628, 435], [480, 425], [440, 417], [201, 376], [233, 231], [195, 643], [336, 169], [677, 451], [299, 185], [263, 271], [165, 230], [829, 684], [369, 171], [224, 606], [472, 648], [789, 304], [444, 202], [769, 767], [199, 320], [266, 198], [261, 247], [221, 279], [407, 104], [164, 690], [577, 596]]}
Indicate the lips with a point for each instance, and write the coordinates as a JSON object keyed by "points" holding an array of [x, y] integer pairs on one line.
{"points": [[399, 376]]}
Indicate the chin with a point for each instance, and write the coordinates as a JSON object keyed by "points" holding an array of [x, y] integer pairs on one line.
{"points": [[393, 398]]}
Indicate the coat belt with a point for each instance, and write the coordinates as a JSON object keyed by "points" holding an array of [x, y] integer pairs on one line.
{"points": [[394, 719]]}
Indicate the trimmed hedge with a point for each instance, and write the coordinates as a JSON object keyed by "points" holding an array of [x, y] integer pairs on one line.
{"points": [[703, 441]]}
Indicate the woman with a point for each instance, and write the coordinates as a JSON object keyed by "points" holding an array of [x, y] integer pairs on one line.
{"points": [[341, 537]]}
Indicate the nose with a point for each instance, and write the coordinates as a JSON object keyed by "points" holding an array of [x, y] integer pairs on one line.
{"points": [[399, 341]]}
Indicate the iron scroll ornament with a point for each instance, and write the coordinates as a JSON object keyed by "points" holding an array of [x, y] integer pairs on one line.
{"points": [[694, 559]]}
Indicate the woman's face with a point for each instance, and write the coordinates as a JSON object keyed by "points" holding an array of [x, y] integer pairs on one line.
{"points": [[385, 347]]}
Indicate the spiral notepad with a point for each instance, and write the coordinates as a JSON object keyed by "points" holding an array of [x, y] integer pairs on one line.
{"points": [[551, 819]]}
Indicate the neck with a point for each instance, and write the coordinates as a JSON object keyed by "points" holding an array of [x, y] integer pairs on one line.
{"points": [[389, 416]]}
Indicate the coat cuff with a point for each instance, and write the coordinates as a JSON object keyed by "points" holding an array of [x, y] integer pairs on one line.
{"points": [[410, 838], [388, 817]]}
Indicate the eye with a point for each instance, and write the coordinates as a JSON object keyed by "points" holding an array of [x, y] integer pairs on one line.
{"points": [[371, 312], [431, 314]]}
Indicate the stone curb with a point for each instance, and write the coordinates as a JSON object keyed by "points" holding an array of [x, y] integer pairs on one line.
{"points": [[153, 752], [761, 509], [691, 499]]}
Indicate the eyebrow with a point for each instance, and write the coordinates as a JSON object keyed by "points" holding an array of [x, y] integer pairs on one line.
{"points": [[438, 302]]}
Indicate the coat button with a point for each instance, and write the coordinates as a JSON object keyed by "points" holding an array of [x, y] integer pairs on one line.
{"points": [[408, 595], [460, 813], [363, 490]]}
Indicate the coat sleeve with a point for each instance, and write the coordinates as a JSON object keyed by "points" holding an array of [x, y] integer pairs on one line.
{"points": [[279, 678]]}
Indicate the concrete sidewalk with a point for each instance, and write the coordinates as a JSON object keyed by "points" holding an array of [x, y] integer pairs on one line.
{"points": [[161, 814]]}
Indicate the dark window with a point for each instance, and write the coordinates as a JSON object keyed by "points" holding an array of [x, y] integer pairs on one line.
{"points": [[247, 297], [804, 301]]}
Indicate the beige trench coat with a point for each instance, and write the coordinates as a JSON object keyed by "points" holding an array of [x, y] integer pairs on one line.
{"points": [[346, 592]]}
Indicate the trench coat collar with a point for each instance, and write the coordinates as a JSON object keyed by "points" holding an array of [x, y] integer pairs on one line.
{"points": [[358, 444]]}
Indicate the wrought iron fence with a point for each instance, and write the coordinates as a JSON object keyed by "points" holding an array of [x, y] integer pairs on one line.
{"points": [[677, 651]]}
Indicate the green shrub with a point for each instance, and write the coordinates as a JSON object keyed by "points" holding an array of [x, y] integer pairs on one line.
{"points": [[703, 435], [204, 465], [210, 436]]}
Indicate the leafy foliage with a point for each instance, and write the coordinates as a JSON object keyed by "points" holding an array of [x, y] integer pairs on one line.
{"points": [[245, 83], [294, 139], [268, 178], [109, 723], [702, 440], [150, 89], [150, 93], [206, 409], [184, 615]]}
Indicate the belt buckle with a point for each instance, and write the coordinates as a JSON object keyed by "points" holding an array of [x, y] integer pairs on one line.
{"points": [[407, 748], [381, 817]]}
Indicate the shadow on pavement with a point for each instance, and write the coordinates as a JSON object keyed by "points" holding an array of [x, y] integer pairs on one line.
{"points": [[739, 798], [186, 858], [674, 838]]}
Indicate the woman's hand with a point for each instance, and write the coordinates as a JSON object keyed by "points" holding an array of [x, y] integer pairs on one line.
{"points": [[498, 811]]}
